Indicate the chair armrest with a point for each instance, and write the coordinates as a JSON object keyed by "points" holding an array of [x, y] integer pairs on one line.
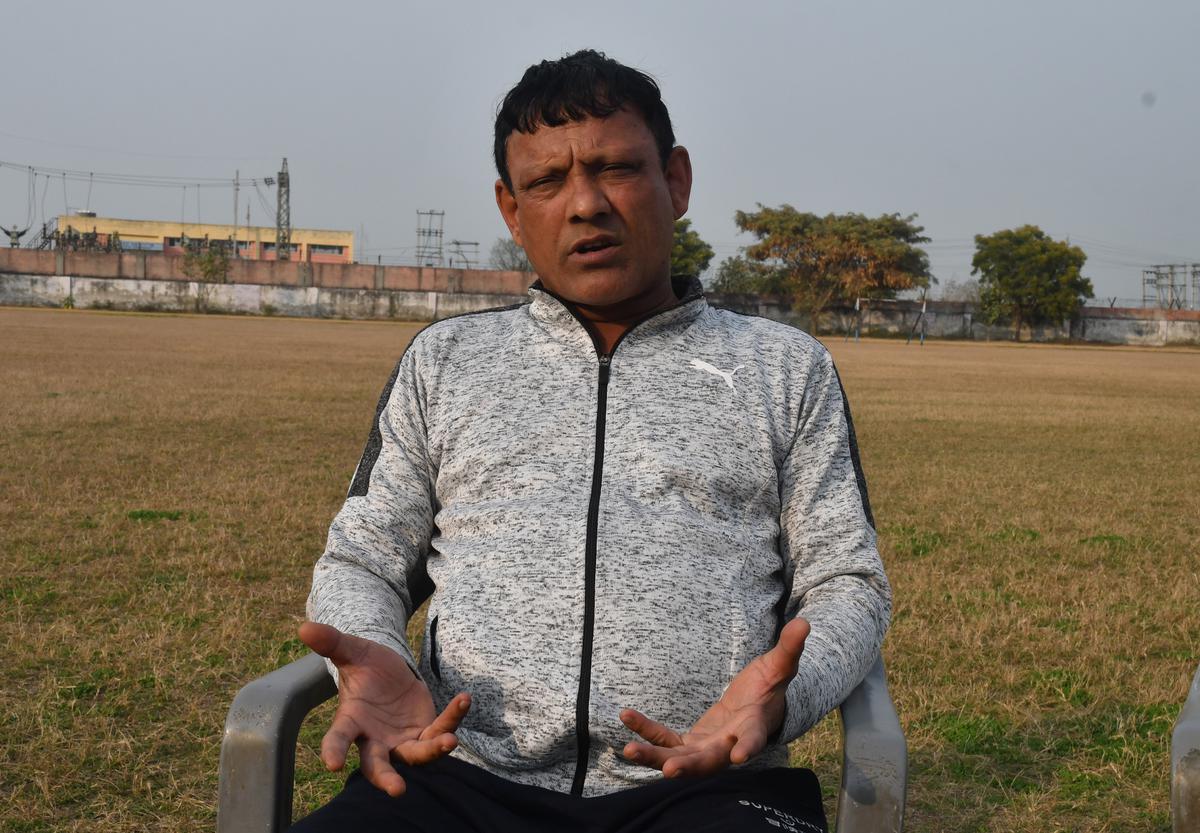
{"points": [[874, 759], [1185, 763], [258, 753]]}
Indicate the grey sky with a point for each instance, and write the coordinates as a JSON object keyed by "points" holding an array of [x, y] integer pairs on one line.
{"points": [[976, 116]]}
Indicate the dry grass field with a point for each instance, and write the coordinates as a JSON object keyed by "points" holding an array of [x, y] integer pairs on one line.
{"points": [[166, 482]]}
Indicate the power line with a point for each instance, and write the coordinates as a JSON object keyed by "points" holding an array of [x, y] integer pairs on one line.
{"points": [[126, 152]]}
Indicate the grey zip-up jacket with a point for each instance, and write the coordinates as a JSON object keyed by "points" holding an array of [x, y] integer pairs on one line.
{"points": [[607, 531]]}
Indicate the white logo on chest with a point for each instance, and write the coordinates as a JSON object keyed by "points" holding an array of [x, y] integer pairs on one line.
{"points": [[727, 375]]}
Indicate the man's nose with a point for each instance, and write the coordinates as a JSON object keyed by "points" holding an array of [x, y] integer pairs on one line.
{"points": [[588, 199]]}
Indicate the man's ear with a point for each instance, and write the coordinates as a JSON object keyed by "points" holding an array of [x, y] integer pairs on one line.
{"points": [[507, 204], [679, 179]]}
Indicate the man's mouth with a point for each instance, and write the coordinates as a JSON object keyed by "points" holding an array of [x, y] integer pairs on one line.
{"points": [[591, 245]]}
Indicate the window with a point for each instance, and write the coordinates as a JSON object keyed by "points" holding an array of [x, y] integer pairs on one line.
{"points": [[318, 249]]}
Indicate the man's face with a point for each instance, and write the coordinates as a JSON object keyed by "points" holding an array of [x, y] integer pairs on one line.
{"points": [[593, 207]]}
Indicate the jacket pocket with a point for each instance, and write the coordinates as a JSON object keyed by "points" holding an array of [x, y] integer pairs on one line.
{"points": [[434, 665]]}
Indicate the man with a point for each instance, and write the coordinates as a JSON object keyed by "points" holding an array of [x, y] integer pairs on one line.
{"points": [[642, 521]]}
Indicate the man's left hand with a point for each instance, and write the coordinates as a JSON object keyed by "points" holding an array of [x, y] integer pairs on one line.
{"points": [[736, 728]]}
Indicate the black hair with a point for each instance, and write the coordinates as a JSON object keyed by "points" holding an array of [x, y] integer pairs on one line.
{"points": [[587, 83]]}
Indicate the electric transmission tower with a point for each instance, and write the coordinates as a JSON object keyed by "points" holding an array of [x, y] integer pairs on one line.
{"points": [[465, 253], [429, 237], [283, 215]]}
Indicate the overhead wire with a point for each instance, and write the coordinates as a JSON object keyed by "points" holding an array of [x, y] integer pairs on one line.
{"points": [[140, 180]]}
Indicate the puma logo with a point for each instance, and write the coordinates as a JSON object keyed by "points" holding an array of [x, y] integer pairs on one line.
{"points": [[727, 375]]}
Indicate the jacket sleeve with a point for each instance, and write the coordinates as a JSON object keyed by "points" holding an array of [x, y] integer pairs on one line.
{"points": [[373, 567], [832, 567]]}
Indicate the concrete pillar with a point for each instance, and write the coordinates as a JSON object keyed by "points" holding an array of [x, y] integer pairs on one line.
{"points": [[60, 261], [140, 265], [379, 276]]}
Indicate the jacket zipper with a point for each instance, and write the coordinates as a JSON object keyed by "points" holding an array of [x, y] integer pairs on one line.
{"points": [[583, 698]]}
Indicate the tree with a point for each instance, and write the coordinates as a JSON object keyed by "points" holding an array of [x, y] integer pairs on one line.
{"points": [[206, 261], [737, 275], [506, 255], [1028, 278], [963, 292], [839, 257], [690, 255]]}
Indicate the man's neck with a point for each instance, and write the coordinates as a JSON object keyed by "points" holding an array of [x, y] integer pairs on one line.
{"points": [[608, 323]]}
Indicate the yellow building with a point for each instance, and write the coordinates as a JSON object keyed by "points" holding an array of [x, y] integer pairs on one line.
{"points": [[254, 242]]}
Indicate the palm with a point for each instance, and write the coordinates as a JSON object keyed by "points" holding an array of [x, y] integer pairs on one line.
{"points": [[736, 727], [383, 707]]}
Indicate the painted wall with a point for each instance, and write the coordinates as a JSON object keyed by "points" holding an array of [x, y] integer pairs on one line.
{"points": [[431, 294], [943, 319], [155, 266], [135, 294]]}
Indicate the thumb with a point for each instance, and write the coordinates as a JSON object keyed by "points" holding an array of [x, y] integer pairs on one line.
{"points": [[329, 642], [785, 656]]}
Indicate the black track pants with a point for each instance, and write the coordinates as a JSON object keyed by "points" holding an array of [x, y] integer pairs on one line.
{"points": [[449, 796]]}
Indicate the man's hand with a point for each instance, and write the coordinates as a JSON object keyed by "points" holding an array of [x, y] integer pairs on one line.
{"points": [[736, 728], [383, 707]]}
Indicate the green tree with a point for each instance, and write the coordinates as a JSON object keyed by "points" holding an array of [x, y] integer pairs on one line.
{"points": [[1028, 278], [838, 257], [206, 262], [508, 256], [738, 275], [690, 255]]}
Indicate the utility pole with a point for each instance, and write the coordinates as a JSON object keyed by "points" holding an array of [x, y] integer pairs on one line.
{"points": [[467, 252], [283, 215], [429, 237], [236, 174]]}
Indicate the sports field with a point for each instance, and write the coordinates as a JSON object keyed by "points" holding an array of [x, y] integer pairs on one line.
{"points": [[166, 483]]}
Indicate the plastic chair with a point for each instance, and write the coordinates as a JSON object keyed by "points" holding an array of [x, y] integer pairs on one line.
{"points": [[258, 752], [1185, 764]]}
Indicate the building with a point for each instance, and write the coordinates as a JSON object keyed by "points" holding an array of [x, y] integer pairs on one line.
{"points": [[253, 242]]}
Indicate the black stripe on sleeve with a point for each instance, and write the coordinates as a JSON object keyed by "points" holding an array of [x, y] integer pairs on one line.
{"points": [[362, 474], [858, 471]]}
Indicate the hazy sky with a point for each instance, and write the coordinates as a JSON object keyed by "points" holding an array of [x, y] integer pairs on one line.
{"points": [[1082, 117]]}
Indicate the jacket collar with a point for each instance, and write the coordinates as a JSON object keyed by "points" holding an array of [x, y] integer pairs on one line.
{"points": [[557, 316]]}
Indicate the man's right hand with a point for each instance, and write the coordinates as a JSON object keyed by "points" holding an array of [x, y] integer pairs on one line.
{"points": [[383, 707]]}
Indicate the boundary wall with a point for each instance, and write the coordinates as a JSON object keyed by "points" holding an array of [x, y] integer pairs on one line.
{"points": [[948, 319], [292, 273], [133, 294], [427, 294]]}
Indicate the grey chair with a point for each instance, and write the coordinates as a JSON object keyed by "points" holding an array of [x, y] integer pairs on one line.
{"points": [[1185, 764], [258, 752]]}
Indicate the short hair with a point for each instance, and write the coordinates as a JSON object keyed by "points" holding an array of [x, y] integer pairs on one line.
{"points": [[587, 83]]}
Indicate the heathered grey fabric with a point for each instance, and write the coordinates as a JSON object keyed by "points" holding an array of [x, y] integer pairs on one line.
{"points": [[723, 499]]}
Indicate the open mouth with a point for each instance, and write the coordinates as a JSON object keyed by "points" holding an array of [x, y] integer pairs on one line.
{"points": [[594, 245]]}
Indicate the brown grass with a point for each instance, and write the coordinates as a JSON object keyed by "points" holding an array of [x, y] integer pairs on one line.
{"points": [[167, 482]]}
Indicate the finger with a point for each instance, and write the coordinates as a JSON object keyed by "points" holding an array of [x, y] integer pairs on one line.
{"points": [[651, 730], [649, 755], [336, 743], [705, 760], [417, 752], [377, 767], [448, 721], [750, 742], [327, 640]]}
